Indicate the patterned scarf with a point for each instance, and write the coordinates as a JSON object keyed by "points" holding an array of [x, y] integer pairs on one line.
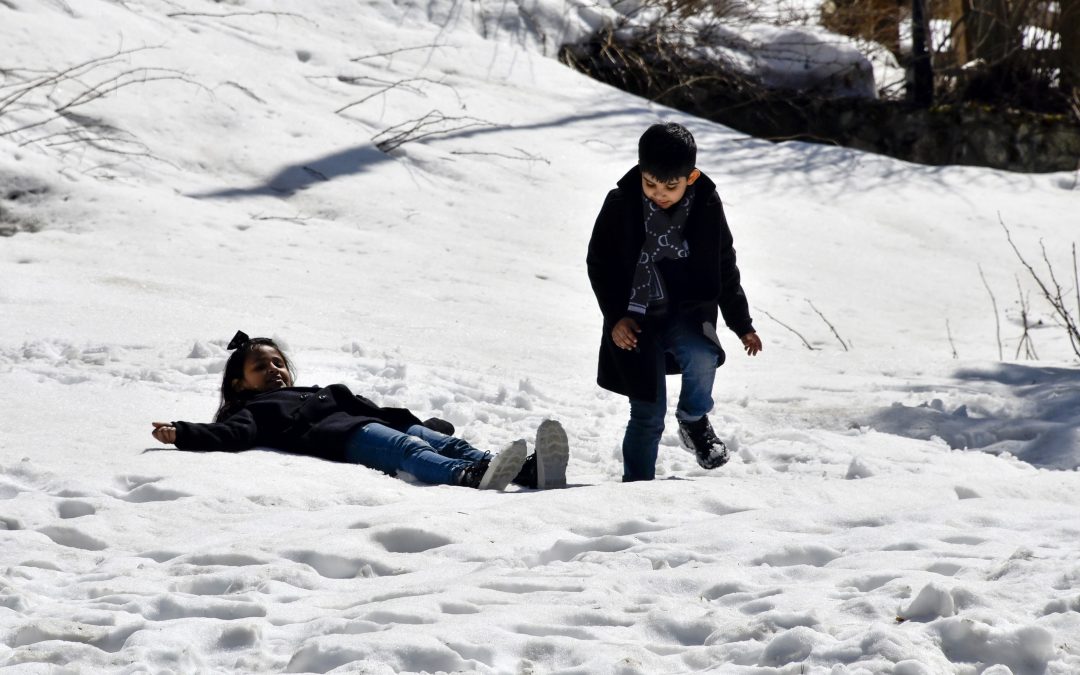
{"points": [[663, 240]]}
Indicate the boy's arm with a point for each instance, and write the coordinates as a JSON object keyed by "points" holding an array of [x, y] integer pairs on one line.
{"points": [[236, 433], [602, 260], [732, 301]]}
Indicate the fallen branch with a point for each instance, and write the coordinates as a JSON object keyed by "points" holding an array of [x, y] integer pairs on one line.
{"points": [[524, 156], [229, 15], [808, 345], [827, 323], [422, 127], [396, 51]]}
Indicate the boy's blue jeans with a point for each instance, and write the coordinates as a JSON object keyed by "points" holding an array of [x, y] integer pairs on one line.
{"points": [[698, 357], [428, 455]]}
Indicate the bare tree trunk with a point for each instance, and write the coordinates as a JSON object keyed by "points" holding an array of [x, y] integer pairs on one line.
{"points": [[1069, 30], [922, 92], [958, 12]]}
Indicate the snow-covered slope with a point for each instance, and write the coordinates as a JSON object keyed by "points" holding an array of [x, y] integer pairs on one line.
{"points": [[235, 183]]}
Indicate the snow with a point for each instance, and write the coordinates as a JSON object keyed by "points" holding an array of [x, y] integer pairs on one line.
{"points": [[890, 508]]}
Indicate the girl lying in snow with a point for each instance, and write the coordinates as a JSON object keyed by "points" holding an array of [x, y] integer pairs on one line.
{"points": [[261, 407]]}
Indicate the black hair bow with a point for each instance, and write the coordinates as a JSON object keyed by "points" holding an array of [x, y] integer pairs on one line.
{"points": [[238, 340]]}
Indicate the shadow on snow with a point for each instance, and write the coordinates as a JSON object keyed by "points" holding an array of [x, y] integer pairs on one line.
{"points": [[1032, 412]]}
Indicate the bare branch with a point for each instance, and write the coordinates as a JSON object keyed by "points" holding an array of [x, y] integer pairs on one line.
{"points": [[393, 85], [997, 318], [524, 156], [229, 15], [422, 127], [1026, 342], [827, 323], [807, 344], [1055, 296], [948, 332], [396, 51]]}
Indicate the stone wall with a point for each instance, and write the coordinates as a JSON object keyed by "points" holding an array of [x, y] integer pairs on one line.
{"points": [[970, 135]]}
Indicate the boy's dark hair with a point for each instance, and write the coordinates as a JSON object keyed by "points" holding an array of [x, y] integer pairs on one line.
{"points": [[667, 151], [233, 399]]}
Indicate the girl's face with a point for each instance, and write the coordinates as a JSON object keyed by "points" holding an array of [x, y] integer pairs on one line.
{"points": [[264, 370]]}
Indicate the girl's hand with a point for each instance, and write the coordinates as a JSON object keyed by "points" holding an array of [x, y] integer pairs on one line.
{"points": [[751, 343], [164, 432], [624, 334]]}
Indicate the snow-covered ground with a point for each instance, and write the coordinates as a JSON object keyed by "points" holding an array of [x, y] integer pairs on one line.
{"points": [[858, 529]]}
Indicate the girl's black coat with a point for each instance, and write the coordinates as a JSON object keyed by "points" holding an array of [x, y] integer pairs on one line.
{"points": [[616, 243], [313, 421]]}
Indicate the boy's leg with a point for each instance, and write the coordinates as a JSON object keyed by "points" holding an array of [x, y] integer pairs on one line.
{"points": [[447, 446], [380, 447], [697, 357], [643, 431]]}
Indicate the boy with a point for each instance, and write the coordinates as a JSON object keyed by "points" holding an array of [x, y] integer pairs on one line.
{"points": [[660, 262]]}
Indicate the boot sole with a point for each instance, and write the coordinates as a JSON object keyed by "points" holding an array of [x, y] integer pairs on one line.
{"points": [[503, 467], [552, 455]]}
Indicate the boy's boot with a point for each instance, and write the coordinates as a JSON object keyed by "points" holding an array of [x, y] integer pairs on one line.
{"points": [[495, 472], [700, 437]]}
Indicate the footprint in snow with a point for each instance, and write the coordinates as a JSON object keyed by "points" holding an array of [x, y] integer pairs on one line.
{"points": [[410, 540], [71, 508], [73, 538], [339, 567], [623, 529], [222, 559], [151, 493], [870, 582], [524, 587], [815, 555], [566, 550], [142, 489], [169, 607]]}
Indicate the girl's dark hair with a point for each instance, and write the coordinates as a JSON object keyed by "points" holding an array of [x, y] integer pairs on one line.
{"points": [[233, 399], [667, 151]]}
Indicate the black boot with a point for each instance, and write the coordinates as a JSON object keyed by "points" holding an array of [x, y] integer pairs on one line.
{"points": [[700, 437]]}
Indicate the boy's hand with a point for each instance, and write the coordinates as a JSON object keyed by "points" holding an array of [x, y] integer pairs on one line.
{"points": [[624, 334], [164, 432], [751, 343]]}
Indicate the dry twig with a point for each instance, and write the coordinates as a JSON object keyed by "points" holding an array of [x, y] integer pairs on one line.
{"points": [[829, 324], [807, 344], [433, 123]]}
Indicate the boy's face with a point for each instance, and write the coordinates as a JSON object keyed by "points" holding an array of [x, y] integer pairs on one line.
{"points": [[666, 193]]}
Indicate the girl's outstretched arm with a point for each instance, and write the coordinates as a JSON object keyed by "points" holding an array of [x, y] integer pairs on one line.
{"points": [[164, 432]]}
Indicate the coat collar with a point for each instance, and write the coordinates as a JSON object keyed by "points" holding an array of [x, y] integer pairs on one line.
{"points": [[631, 182]]}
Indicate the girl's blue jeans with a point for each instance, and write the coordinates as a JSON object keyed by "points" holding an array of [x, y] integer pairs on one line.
{"points": [[428, 455], [698, 357]]}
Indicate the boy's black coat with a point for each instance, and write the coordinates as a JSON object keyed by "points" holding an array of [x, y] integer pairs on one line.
{"points": [[616, 243], [313, 421]]}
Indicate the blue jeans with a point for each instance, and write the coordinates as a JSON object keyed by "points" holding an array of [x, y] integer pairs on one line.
{"points": [[430, 456], [698, 357]]}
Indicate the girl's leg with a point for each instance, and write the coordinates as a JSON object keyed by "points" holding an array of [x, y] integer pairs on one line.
{"points": [[380, 447], [447, 446]]}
